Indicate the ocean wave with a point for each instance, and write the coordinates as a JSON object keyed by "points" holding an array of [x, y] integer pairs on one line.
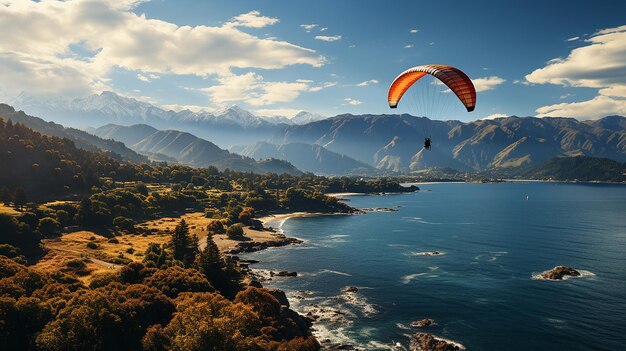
{"points": [[335, 272], [411, 277], [324, 271], [359, 301], [491, 256], [427, 253]]}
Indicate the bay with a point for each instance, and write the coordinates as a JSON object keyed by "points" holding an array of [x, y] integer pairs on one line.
{"points": [[491, 240]]}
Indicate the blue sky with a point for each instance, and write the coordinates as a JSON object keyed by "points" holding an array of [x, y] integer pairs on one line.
{"points": [[328, 57]]}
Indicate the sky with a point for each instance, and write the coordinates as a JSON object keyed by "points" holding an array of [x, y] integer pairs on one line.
{"points": [[526, 58]]}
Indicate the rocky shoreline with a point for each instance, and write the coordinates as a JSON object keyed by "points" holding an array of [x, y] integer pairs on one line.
{"points": [[429, 342], [253, 246]]}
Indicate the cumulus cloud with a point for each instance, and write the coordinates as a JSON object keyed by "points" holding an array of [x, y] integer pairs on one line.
{"points": [[495, 115], [599, 106], [352, 102], [367, 82], [487, 83], [601, 64], [328, 37], [413, 31], [252, 19], [252, 89], [39, 39]]}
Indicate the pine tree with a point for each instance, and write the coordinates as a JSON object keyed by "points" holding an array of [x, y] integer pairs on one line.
{"points": [[209, 262], [19, 197], [184, 245]]}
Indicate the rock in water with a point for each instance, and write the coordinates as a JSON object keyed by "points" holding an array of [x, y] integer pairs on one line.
{"points": [[559, 272], [422, 323], [428, 342], [351, 289]]}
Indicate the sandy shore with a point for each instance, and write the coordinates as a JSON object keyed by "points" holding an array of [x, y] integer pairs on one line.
{"points": [[259, 239], [345, 194]]}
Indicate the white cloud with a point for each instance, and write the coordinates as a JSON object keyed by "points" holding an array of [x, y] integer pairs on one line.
{"points": [[308, 27], [323, 29], [352, 102], [601, 65], [252, 19], [487, 83], [271, 112], [495, 115], [41, 58], [252, 89], [367, 82], [413, 31], [408, 46], [572, 39], [328, 38], [322, 86], [147, 77], [352, 46], [565, 96], [599, 106]]}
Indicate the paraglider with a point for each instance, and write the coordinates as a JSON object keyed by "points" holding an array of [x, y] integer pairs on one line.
{"points": [[453, 78], [427, 144]]}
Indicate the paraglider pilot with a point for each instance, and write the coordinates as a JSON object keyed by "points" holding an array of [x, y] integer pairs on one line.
{"points": [[427, 144]]}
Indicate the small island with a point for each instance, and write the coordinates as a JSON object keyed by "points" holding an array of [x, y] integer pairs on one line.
{"points": [[559, 273]]}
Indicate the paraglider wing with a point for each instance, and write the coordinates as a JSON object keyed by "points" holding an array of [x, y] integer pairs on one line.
{"points": [[453, 78]]}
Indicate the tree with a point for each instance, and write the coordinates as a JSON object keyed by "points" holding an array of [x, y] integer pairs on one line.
{"points": [[5, 195], [155, 256], [216, 227], [184, 245], [246, 215], [19, 197], [234, 231], [209, 262], [48, 226]]}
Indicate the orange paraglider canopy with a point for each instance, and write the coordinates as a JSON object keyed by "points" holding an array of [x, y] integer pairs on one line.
{"points": [[454, 78]]}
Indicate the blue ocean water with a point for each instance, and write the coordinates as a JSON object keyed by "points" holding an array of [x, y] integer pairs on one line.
{"points": [[480, 290]]}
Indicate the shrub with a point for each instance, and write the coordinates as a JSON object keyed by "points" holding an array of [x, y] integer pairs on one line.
{"points": [[234, 231]]}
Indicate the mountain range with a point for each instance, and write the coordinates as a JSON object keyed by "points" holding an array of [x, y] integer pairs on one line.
{"points": [[225, 127], [170, 146], [394, 142], [344, 144]]}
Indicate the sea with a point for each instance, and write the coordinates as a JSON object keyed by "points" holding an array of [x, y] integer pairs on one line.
{"points": [[482, 287]]}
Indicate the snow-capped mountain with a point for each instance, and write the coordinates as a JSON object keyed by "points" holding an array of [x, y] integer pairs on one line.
{"points": [[304, 117], [226, 127]]}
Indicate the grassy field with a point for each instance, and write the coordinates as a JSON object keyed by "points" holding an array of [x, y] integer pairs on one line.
{"points": [[8, 210], [107, 254]]}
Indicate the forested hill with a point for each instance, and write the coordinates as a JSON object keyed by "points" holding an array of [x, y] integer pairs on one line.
{"points": [[52, 165], [579, 168], [80, 138]]}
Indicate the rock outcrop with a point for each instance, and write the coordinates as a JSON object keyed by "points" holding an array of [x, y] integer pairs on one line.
{"points": [[559, 272], [429, 342]]}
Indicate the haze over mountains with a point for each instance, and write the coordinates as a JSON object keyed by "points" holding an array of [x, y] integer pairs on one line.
{"points": [[344, 144], [226, 127]]}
